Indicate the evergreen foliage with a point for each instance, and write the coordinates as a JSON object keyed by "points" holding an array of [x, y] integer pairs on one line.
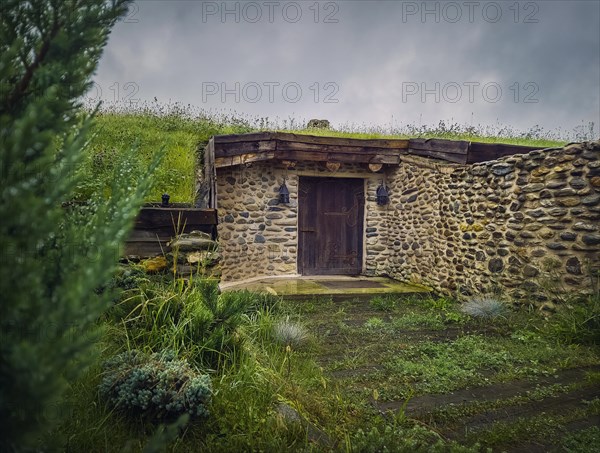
{"points": [[158, 386], [54, 258]]}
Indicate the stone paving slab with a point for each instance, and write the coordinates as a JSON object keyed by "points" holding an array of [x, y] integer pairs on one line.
{"points": [[345, 286]]}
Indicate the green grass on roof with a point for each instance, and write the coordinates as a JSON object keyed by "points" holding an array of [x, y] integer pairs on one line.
{"points": [[181, 136], [537, 142]]}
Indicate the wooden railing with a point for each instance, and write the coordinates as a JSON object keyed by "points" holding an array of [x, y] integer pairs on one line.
{"points": [[156, 225]]}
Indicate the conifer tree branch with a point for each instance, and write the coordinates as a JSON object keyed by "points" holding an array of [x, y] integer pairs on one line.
{"points": [[23, 84]]}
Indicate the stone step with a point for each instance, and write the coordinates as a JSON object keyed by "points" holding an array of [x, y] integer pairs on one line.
{"points": [[334, 287], [350, 295]]}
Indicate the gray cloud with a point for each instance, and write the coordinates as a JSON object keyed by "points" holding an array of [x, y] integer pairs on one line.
{"points": [[367, 60]]}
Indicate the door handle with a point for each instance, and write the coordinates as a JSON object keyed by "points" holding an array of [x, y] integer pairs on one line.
{"points": [[308, 230]]}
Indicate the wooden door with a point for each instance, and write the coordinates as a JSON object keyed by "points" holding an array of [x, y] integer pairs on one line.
{"points": [[330, 223]]}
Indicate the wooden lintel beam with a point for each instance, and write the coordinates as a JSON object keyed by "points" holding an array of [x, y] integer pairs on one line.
{"points": [[450, 157], [221, 162], [439, 145]]}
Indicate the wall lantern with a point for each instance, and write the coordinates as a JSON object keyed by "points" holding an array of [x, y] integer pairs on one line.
{"points": [[284, 194], [383, 196], [165, 199]]}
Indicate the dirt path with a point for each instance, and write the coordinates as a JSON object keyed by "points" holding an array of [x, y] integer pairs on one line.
{"points": [[427, 403], [355, 353], [555, 404]]}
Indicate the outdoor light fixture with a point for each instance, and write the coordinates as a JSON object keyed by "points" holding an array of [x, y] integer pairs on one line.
{"points": [[383, 196], [284, 193], [165, 199]]}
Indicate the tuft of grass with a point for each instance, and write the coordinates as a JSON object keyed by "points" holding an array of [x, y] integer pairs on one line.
{"points": [[374, 323], [384, 303], [484, 307], [289, 333], [577, 322], [189, 318]]}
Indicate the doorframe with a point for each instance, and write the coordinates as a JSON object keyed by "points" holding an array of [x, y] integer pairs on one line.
{"points": [[340, 175]]}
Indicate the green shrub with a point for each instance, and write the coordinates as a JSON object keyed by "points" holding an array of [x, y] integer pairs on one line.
{"points": [[157, 386], [441, 303], [124, 282], [374, 323], [128, 277], [189, 317], [54, 260]]}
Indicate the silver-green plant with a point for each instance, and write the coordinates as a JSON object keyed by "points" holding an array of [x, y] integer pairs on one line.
{"points": [[484, 307], [289, 333]]}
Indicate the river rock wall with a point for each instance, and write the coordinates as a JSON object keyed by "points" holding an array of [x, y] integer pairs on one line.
{"points": [[528, 224]]}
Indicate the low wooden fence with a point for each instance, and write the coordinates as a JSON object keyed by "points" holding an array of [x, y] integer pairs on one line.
{"points": [[156, 225]]}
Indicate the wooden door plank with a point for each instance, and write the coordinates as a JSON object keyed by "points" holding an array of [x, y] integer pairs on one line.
{"points": [[332, 209]]}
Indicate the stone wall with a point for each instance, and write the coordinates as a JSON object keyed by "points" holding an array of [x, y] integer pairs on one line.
{"points": [[455, 228], [258, 235], [501, 223]]}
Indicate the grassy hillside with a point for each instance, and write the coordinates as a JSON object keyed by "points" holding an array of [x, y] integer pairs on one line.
{"points": [[182, 138]]}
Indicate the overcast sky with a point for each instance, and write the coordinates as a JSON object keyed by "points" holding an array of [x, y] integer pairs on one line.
{"points": [[380, 63]]}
